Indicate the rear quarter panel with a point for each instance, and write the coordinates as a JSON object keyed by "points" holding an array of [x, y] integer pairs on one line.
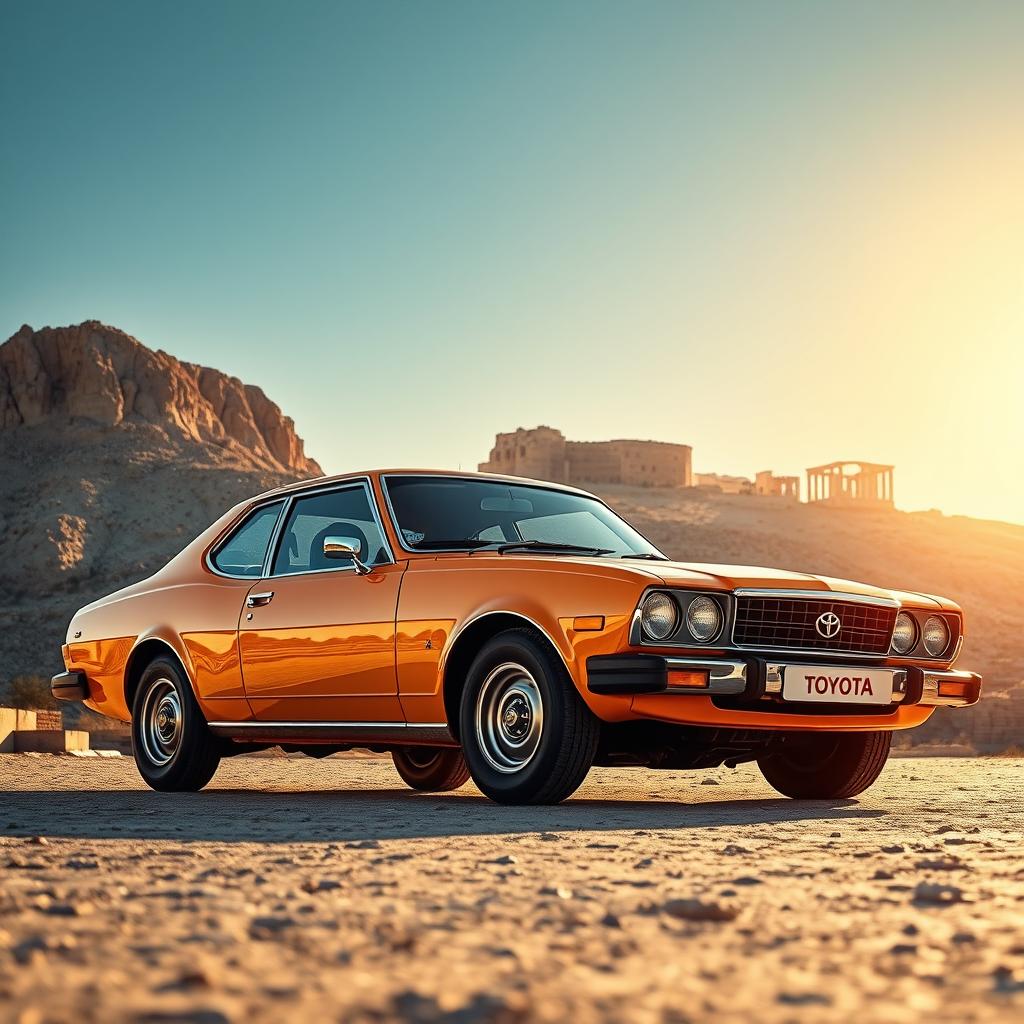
{"points": [[185, 606], [198, 621]]}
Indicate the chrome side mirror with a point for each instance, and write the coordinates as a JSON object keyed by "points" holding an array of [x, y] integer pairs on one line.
{"points": [[345, 547]]}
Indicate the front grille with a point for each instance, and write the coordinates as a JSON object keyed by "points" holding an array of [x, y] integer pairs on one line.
{"points": [[788, 623]]}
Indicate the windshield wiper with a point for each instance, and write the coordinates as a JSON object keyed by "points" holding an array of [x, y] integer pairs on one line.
{"points": [[649, 555], [550, 545], [431, 545]]}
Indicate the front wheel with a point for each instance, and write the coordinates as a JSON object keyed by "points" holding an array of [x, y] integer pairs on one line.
{"points": [[431, 769], [528, 738], [826, 766], [174, 750]]}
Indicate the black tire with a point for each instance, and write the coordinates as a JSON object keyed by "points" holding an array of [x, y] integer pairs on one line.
{"points": [[556, 754], [179, 757], [826, 766], [431, 769]]}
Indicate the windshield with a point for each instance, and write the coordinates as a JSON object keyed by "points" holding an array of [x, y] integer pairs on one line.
{"points": [[438, 513]]}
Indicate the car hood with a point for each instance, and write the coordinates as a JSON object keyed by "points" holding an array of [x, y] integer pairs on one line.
{"points": [[730, 577]]}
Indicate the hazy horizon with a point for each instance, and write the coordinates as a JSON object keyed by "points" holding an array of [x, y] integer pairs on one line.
{"points": [[783, 234]]}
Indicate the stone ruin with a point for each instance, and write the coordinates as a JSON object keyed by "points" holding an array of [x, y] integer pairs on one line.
{"points": [[544, 454], [768, 484], [858, 484]]}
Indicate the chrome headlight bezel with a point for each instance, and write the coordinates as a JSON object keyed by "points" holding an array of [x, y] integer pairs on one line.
{"points": [[915, 634], [681, 634], [668, 604]]}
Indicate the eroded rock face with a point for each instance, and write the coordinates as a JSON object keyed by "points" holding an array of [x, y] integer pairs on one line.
{"points": [[112, 457], [101, 374]]}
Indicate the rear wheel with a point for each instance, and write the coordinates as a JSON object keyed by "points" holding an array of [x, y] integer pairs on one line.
{"points": [[174, 750], [826, 766], [431, 769], [528, 738]]}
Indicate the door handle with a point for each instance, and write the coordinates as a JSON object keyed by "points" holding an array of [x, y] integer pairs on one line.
{"points": [[255, 600]]}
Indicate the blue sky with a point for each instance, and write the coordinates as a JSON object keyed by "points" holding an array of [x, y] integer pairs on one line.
{"points": [[777, 232]]}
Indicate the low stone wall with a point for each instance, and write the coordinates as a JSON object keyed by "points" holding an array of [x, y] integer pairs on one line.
{"points": [[12, 721], [24, 732], [50, 741], [49, 720]]}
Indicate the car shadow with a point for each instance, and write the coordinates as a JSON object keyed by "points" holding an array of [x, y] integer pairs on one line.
{"points": [[351, 815]]}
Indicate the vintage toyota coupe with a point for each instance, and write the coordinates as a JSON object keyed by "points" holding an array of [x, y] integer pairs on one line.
{"points": [[514, 631]]}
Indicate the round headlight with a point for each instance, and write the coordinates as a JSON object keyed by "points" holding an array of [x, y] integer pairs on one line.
{"points": [[904, 636], [659, 616], [703, 618], [936, 635]]}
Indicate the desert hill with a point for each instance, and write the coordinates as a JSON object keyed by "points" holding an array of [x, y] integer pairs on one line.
{"points": [[112, 457]]}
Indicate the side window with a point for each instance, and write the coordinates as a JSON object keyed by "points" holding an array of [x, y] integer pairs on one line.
{"points": [[345, 513], [242, 554]]}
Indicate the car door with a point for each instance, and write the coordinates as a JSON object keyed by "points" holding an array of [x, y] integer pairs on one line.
{"points": [[317, 636]]}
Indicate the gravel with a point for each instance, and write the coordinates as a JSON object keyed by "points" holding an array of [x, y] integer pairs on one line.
{"points": [[299, 889]]}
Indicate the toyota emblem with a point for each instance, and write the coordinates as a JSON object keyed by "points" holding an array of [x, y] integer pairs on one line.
{"points": [[828, 625]]}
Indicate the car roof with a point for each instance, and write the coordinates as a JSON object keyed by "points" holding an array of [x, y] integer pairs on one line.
{"points": [[324, 481]]}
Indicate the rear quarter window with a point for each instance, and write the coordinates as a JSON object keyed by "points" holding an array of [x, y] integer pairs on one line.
{"points": [[243, 553]]}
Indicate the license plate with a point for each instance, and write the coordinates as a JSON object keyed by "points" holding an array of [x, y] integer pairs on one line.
{"points": [[827, 684]]}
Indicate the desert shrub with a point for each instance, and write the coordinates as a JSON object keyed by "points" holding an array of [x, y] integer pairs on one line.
{"points": [[30, 693]]}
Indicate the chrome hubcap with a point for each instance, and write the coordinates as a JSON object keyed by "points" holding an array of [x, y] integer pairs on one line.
{"points": [[509, 717], [160, 726]]}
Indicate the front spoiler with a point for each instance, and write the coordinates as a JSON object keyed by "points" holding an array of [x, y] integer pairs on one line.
{"points": [[757, 679]]}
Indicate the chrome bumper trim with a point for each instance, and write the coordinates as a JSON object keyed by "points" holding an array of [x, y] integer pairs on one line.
{"points": [[727, 678], [932, 680], [760, 682], [724, 677], [311, 724], [773, 681], [818, 595]]}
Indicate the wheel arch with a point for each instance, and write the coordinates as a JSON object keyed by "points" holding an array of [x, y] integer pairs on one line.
{"points": [[468, 641], [147, 647]]}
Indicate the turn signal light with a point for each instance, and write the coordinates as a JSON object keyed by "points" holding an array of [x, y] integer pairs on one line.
{"points": [[952, 689], [588, 623], [687, 680]]}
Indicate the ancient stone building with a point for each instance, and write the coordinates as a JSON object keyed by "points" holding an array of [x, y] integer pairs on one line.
{"points": [[539, 453], [545, 454], [767, 483], [853, 484]]}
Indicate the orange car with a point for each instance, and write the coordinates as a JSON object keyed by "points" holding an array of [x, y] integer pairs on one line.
{"points": [[514, 631]]}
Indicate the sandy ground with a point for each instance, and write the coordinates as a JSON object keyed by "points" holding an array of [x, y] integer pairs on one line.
{"points": [[306, 890]]}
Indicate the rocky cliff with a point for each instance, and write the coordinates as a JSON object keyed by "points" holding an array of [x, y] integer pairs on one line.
{"points": [[102, 375], [112, 457]]}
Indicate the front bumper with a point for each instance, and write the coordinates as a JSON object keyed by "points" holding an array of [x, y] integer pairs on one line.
{"points": [[757, 680]]}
